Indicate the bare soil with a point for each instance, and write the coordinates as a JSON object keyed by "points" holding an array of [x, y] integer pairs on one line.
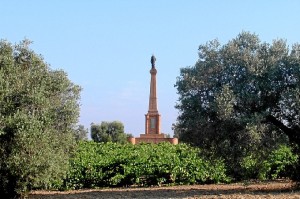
{"points": [[275, 189]]}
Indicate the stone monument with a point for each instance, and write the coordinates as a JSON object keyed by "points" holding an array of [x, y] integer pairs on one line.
{"points": [[152, 118]]}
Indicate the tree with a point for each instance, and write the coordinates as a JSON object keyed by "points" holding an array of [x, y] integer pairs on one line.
{"points": [[241, 97], [38, 110], [108, 132], [80, 133]]}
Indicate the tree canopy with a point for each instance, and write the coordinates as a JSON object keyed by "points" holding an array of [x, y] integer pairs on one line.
{"points": [[81, 133], [240, 97], [39, 109], [108, 132]]}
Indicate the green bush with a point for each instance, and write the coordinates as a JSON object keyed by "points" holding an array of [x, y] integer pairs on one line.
{"points": [[112, 164], [280, 163]]}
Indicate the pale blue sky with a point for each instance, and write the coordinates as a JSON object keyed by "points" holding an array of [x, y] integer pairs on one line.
{"points": [[105, 46]]}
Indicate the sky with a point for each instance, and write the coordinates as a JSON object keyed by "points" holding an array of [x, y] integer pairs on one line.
{"points": [[106, 46]]}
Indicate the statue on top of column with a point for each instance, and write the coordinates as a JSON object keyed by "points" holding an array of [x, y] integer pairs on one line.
{"points": [[153, 59]]}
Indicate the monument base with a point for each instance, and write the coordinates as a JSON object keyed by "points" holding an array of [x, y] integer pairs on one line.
{"points": [[152, 138]]}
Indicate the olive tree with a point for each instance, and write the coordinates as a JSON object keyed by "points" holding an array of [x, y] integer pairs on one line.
{"points": [[108, 132], [241, 97], [81, 133], [39, 109]]}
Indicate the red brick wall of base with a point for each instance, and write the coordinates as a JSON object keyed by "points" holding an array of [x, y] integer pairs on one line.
{"points": [[154, 140]]}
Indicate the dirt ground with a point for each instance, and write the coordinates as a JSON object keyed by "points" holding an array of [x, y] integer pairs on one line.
{"points": [[270, 190]]}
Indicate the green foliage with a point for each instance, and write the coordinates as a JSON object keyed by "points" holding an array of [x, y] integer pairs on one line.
{"points": [[108, 132], [280, 163], [113, 164], [38, 109], [240, 98], [80, 133]]}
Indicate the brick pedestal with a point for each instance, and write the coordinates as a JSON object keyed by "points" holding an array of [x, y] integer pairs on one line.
{"points": [[148, 138]]}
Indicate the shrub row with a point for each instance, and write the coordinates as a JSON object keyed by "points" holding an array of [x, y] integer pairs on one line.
{"points": [[280, 163], [113, 164]]}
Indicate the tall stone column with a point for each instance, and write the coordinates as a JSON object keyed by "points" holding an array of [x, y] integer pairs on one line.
{"points": [[152, 96], [152, 118]]}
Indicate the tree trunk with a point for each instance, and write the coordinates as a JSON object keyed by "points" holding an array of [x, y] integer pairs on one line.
{"points": [[294, 137], [293, 134]]}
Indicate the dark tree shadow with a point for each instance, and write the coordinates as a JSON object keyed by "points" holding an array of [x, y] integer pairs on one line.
{"points": [[171, 192]]}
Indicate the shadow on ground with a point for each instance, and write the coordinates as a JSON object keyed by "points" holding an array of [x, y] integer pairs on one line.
{"points": [[272, 190]]}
